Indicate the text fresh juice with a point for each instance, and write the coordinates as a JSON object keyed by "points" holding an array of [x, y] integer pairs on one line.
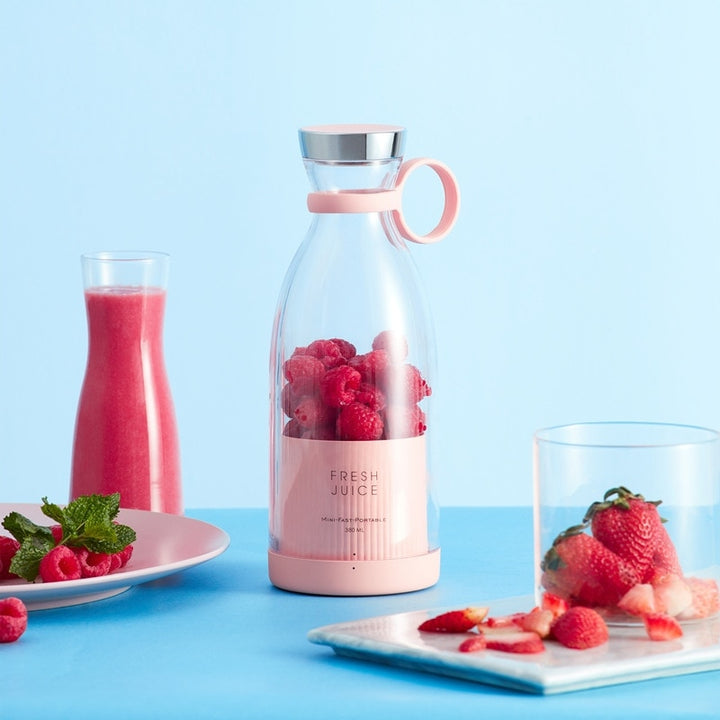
{"points": [[126, 436]]}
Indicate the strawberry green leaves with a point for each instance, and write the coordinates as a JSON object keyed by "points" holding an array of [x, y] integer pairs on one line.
{"points": [[88, 521]]}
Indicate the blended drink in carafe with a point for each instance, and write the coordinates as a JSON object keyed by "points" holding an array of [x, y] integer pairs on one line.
{"points": [[126, 436]]}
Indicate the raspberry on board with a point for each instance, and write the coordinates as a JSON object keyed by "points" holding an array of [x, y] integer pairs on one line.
{"points": [[13, 619], [59, 564]]}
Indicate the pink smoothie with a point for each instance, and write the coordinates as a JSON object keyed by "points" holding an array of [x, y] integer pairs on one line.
{"points": [[125, 434]]}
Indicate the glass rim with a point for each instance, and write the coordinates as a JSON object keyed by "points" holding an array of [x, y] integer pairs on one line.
{"points": [[125, 255], [701, 435]]}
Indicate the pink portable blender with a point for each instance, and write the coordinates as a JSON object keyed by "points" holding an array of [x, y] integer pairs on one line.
{"points": [[352, 508]]}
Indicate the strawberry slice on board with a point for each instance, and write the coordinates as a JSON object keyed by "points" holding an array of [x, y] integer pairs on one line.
{"points": [[455, 621], [473, 644], [660, 626], [521, 642]]}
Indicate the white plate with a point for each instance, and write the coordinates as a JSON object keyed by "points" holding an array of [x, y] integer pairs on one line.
{"points": [[165, 544], [628, 656]]}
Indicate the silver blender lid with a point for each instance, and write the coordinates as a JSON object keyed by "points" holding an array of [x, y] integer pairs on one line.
{"points": [[352, 143]]}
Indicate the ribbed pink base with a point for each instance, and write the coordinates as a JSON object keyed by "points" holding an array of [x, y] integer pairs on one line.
{"points": [[345, 577]]}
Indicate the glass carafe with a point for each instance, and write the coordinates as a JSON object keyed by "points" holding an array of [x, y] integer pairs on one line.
{"points": [[352, 502], [126, 437]]}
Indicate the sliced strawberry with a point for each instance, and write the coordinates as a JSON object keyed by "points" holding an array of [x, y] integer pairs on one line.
{"points": [[639, 600], [538, 621], [580, 628], [660, 626], [473, 644], [516, 642], [513, 620], [672, 595], [705, 599], [555, 604], [455, 621]]}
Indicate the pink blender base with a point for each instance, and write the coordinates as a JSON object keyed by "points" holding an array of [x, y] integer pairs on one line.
{"points": [[347, 577]]}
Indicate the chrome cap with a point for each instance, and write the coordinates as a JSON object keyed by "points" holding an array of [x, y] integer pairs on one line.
{"points": [[352, 143]]}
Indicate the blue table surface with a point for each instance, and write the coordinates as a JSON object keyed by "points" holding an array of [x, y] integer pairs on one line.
{"points": [[218, 641]]}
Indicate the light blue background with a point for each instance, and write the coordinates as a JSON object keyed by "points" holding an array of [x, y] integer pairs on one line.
{"points": [[580, 282]]}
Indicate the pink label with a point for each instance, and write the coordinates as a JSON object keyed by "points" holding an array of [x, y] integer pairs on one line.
{"points": [[361, 500]]}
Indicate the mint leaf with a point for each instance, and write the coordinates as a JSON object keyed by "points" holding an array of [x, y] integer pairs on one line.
{"points": [[94, 510], [22, 528], [26, 561], [54, 512]]}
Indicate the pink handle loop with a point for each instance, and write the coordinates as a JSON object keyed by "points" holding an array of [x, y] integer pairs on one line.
{"points": [[366, 201], [452, 201]]}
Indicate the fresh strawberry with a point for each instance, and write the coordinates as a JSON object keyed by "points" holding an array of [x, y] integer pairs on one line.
{"points": [[660, 626], [556, 605], [705, 599], [538, 621], [665, 558], [580, 569], [580, 628], [455, 621], [473, 644], [672, 595], [516, 642], [639, 600], [626, 523]]}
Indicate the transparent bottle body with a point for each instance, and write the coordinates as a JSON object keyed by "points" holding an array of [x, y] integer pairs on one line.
{"points": [[353, 279]]}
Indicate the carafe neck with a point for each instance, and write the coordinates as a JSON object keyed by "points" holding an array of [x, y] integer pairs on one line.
{"points": [[371, 175]]}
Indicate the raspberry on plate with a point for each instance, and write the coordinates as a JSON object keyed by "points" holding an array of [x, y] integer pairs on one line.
{"points": [[8, 547], [92, 564], [61, 563]]}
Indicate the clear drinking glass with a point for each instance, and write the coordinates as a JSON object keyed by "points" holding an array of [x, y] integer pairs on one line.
{"points": [[126, 437], [675, 465]]}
